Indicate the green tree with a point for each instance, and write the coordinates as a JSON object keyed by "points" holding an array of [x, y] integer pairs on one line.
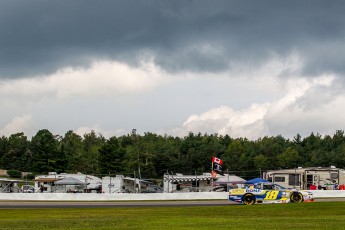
{"points": [[135, 154], [168, 156], [111, 157], [270, 147], [234, 156], [3, 148], [311, 144], [339, 160], [338, 138], [261, 162], [197, 151], [149, 148], [289, 158], [92, 144], [47, 156], [72, 148], [141, 153], [18, 154]]}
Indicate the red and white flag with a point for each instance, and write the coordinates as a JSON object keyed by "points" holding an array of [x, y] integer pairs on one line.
{"points": [[217, 160], [216, 166]]}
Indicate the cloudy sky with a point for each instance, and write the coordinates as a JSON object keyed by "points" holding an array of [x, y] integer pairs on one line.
{"points": [[239, 67]]}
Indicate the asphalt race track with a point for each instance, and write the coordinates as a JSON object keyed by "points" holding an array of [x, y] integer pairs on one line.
{"points": [[112, 204]]}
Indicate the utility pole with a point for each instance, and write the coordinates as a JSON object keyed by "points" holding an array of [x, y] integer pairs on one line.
{"points": [[168, 181], [109, 183]]}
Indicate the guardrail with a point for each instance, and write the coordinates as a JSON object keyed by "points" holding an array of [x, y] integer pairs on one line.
{"points": [[139, 196], [112, 196], [328, 193]]}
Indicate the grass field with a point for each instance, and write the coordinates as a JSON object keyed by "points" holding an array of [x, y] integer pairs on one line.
{"points": [[325, 215]]}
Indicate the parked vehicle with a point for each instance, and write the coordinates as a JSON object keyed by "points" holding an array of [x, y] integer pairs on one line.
{"points": [[219, 189], [305, 178], [27, 189], [152, 189]]}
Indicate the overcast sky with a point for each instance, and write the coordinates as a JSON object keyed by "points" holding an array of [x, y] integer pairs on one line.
{"points": [[243, 68]]}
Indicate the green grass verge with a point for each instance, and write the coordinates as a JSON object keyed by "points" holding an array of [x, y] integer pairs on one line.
{"points": [[325, 215]]}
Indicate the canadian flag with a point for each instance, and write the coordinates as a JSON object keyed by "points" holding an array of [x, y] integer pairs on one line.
{"points": [[216, 166], [217, 160]]}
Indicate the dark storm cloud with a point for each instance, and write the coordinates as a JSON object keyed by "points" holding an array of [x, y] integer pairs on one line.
{"points": [[39, 37]]}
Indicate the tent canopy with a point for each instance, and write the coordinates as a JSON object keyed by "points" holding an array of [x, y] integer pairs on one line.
{"points": [[230, 179], [70, 181], [256, 180]]}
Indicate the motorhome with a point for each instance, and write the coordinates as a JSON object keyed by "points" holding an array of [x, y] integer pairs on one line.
{"points": [[302, 178], [124, 184]]}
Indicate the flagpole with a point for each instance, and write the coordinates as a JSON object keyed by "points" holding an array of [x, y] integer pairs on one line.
{"points": [[212, 175], [227, 184]]}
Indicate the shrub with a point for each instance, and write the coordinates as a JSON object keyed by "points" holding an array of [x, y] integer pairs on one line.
{"points": [[14, 173]]}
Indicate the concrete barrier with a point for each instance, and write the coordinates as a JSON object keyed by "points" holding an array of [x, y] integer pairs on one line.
{"points": [[112, 197], [328, 193], [138, 196]]}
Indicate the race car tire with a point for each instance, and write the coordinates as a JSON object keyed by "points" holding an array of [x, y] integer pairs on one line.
{"points": [[296, 197], [248, 199]]}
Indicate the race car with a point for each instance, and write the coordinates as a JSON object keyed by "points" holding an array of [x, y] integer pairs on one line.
{"points": [[268, 193]]}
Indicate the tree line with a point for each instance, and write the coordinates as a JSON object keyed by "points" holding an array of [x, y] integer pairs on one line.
{"points": [[151, 155]]}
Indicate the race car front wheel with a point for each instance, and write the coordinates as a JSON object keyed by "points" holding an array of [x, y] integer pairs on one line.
{"points": [[248, 199], [296, 197]]}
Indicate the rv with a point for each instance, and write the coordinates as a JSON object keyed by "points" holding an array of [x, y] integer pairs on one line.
{"points": [[124, 184], [303, 178]]}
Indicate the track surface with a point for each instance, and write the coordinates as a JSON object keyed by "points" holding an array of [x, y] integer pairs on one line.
{"points": [[103, 204]]}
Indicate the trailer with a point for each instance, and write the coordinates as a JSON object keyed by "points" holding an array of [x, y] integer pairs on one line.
{"points": [[308, 178], [124, 184], [9, 185]]}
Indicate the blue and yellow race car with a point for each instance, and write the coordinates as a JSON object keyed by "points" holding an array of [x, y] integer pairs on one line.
{"points": [[268, 193]]}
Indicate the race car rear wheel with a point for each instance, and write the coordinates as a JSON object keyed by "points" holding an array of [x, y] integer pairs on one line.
{"points": [[296, 197], [248, 199]]}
